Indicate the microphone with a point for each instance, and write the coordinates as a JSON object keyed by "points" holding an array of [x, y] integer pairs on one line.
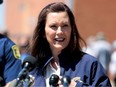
{"points": [[28, 82], [53, 81], [1, 1], [27, 66], [66, 80]]}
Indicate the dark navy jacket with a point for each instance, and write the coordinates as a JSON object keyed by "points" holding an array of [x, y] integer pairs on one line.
{"points": [[85, 68], [10, 65]]}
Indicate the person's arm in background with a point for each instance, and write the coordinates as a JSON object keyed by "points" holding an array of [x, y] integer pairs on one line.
{"points": [[12, 61]]}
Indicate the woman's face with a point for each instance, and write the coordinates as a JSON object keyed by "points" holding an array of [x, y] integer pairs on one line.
{"points": [[58, 30]]}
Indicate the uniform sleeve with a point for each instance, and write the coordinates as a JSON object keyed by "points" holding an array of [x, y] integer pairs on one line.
{"points": [[12, 60]]}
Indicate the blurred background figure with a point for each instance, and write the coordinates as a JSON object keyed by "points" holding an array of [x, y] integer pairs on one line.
{"points": [[99, 47], [112, 65], [10, 63], [23, 45], [90, 45], [103, 49]]}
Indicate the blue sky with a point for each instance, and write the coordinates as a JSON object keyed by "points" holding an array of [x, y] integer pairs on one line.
{"points": [[2, 15]]}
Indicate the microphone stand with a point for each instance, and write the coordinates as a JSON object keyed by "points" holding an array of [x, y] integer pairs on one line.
{"points": [[20, 79], [26, 82]]}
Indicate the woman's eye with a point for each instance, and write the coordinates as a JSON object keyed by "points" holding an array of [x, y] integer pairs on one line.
{"points": [[53, 26], [65, 25]]}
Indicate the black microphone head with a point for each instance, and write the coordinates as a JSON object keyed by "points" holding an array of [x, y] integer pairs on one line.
{"points": [[1, 1], [66, 80], [31, 61], [54, 80]]}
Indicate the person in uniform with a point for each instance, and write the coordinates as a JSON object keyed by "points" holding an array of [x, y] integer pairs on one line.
{"points": [[10, 62], [56, 44]]}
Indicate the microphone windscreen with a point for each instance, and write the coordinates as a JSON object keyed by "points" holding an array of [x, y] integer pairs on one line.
{"points": [[54, 80], [31, 60], [1, 1], [66, 80]]}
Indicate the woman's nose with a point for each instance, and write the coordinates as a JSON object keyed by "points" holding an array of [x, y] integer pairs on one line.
{"points": [[59, 30]]}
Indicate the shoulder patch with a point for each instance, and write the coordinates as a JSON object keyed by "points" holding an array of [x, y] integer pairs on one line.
{"points": [[16, 51]]}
